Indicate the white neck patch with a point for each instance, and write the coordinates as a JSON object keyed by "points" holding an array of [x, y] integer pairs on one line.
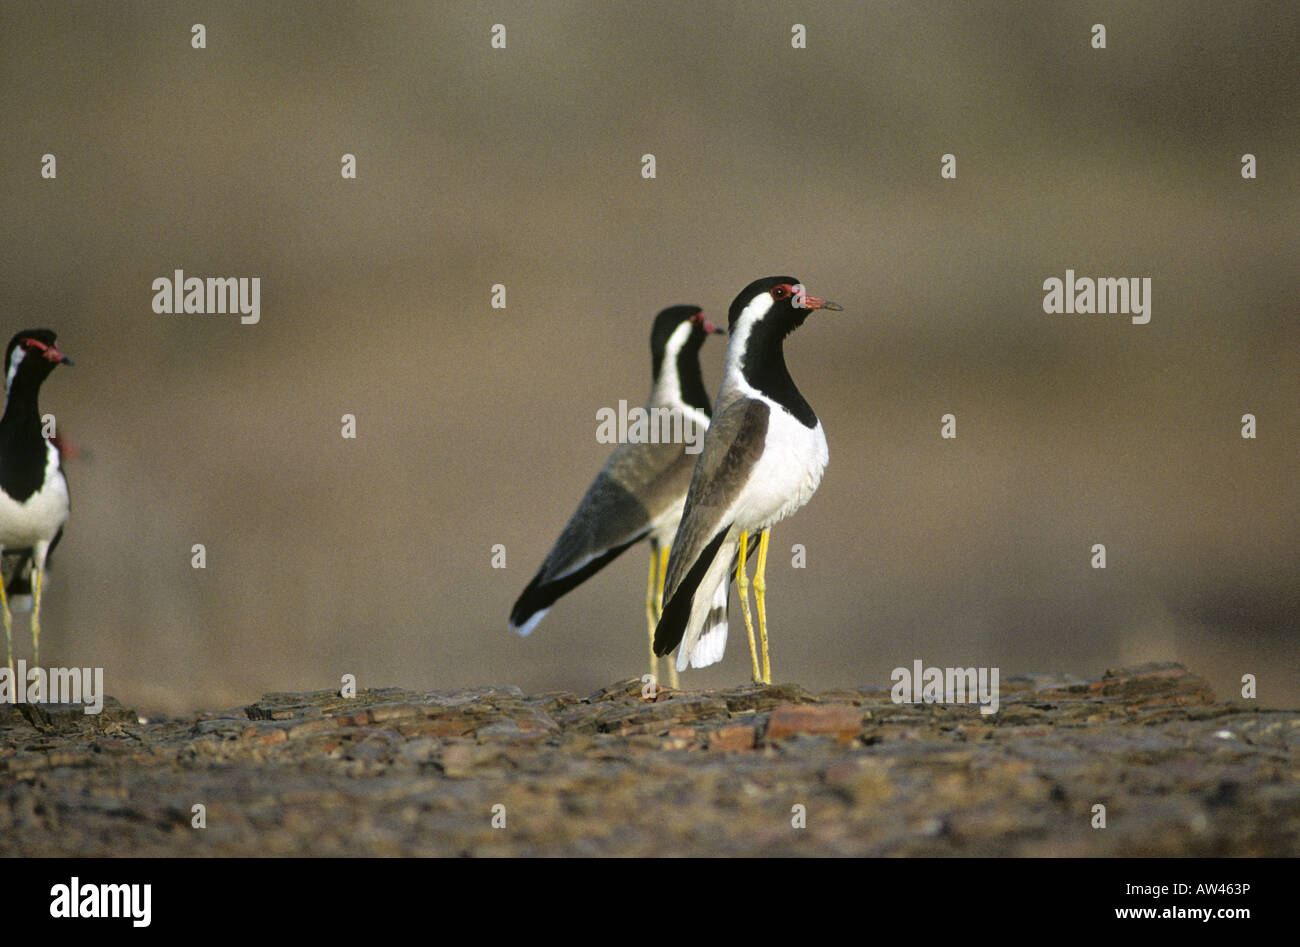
{"points": [[668, 389], [758, 307], [14, 361], [668, 368]]}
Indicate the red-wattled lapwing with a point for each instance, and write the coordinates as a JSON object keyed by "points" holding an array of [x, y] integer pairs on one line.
{"points": [[33, 492], [639, 492], [763, 458]]}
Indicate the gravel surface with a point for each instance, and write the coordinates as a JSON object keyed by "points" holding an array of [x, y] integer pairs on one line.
{"points": [[727, 772]]}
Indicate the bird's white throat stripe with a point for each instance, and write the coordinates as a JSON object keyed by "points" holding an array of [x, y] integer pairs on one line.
{"points": [[670, 383], [758, 307], [15, 360], [668, 390], [675, 343]]}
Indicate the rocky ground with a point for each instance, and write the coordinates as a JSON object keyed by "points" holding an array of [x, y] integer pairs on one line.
{"points": [[393, 772]]}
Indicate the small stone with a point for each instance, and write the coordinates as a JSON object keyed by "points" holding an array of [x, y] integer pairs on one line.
{"points": [[361, 718], [452, 725], [739, 736], [866, 781], [308, 727], [621, 690], [460, 760], [386, 712], [842, 721], [507, 730]]}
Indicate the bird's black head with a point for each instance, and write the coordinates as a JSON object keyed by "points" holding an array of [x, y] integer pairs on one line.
{"points": [[693, 328], [675, 342], [32, 354], [765, 312], [779, 302]]}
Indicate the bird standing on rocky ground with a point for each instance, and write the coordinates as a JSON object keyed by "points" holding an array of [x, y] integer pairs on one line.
{"points": [[33, 491], [639, 492], [763, 458]]}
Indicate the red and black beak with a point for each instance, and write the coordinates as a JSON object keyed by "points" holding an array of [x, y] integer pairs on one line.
{"points": [[48, 352], [708, 327], [816, 302], [54, 355]]}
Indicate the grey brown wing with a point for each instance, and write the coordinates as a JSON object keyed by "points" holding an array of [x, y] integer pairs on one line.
{"points": [[731, 448], [657, 474], [636, 485]]}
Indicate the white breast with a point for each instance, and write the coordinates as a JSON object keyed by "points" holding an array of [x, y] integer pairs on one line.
{"points": [[786, 475], [39, 517]]}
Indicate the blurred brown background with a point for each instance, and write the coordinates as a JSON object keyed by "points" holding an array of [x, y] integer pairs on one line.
{"points": [[477, 426]]}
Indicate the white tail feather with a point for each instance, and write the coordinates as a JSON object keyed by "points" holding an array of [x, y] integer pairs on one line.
{"points": [[527, 627], [705, 639]]}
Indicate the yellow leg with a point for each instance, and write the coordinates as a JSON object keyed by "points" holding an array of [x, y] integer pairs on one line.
{"points": [[659, 611], [37, 576], [9, 629], [742, 586], [760, 588], [651, 618]]}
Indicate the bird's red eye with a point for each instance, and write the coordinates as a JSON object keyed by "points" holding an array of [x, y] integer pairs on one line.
{"points": [[779, 292]]}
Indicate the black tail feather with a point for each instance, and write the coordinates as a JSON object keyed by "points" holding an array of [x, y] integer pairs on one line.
{"points": [[677, 610], [540, 595]]}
